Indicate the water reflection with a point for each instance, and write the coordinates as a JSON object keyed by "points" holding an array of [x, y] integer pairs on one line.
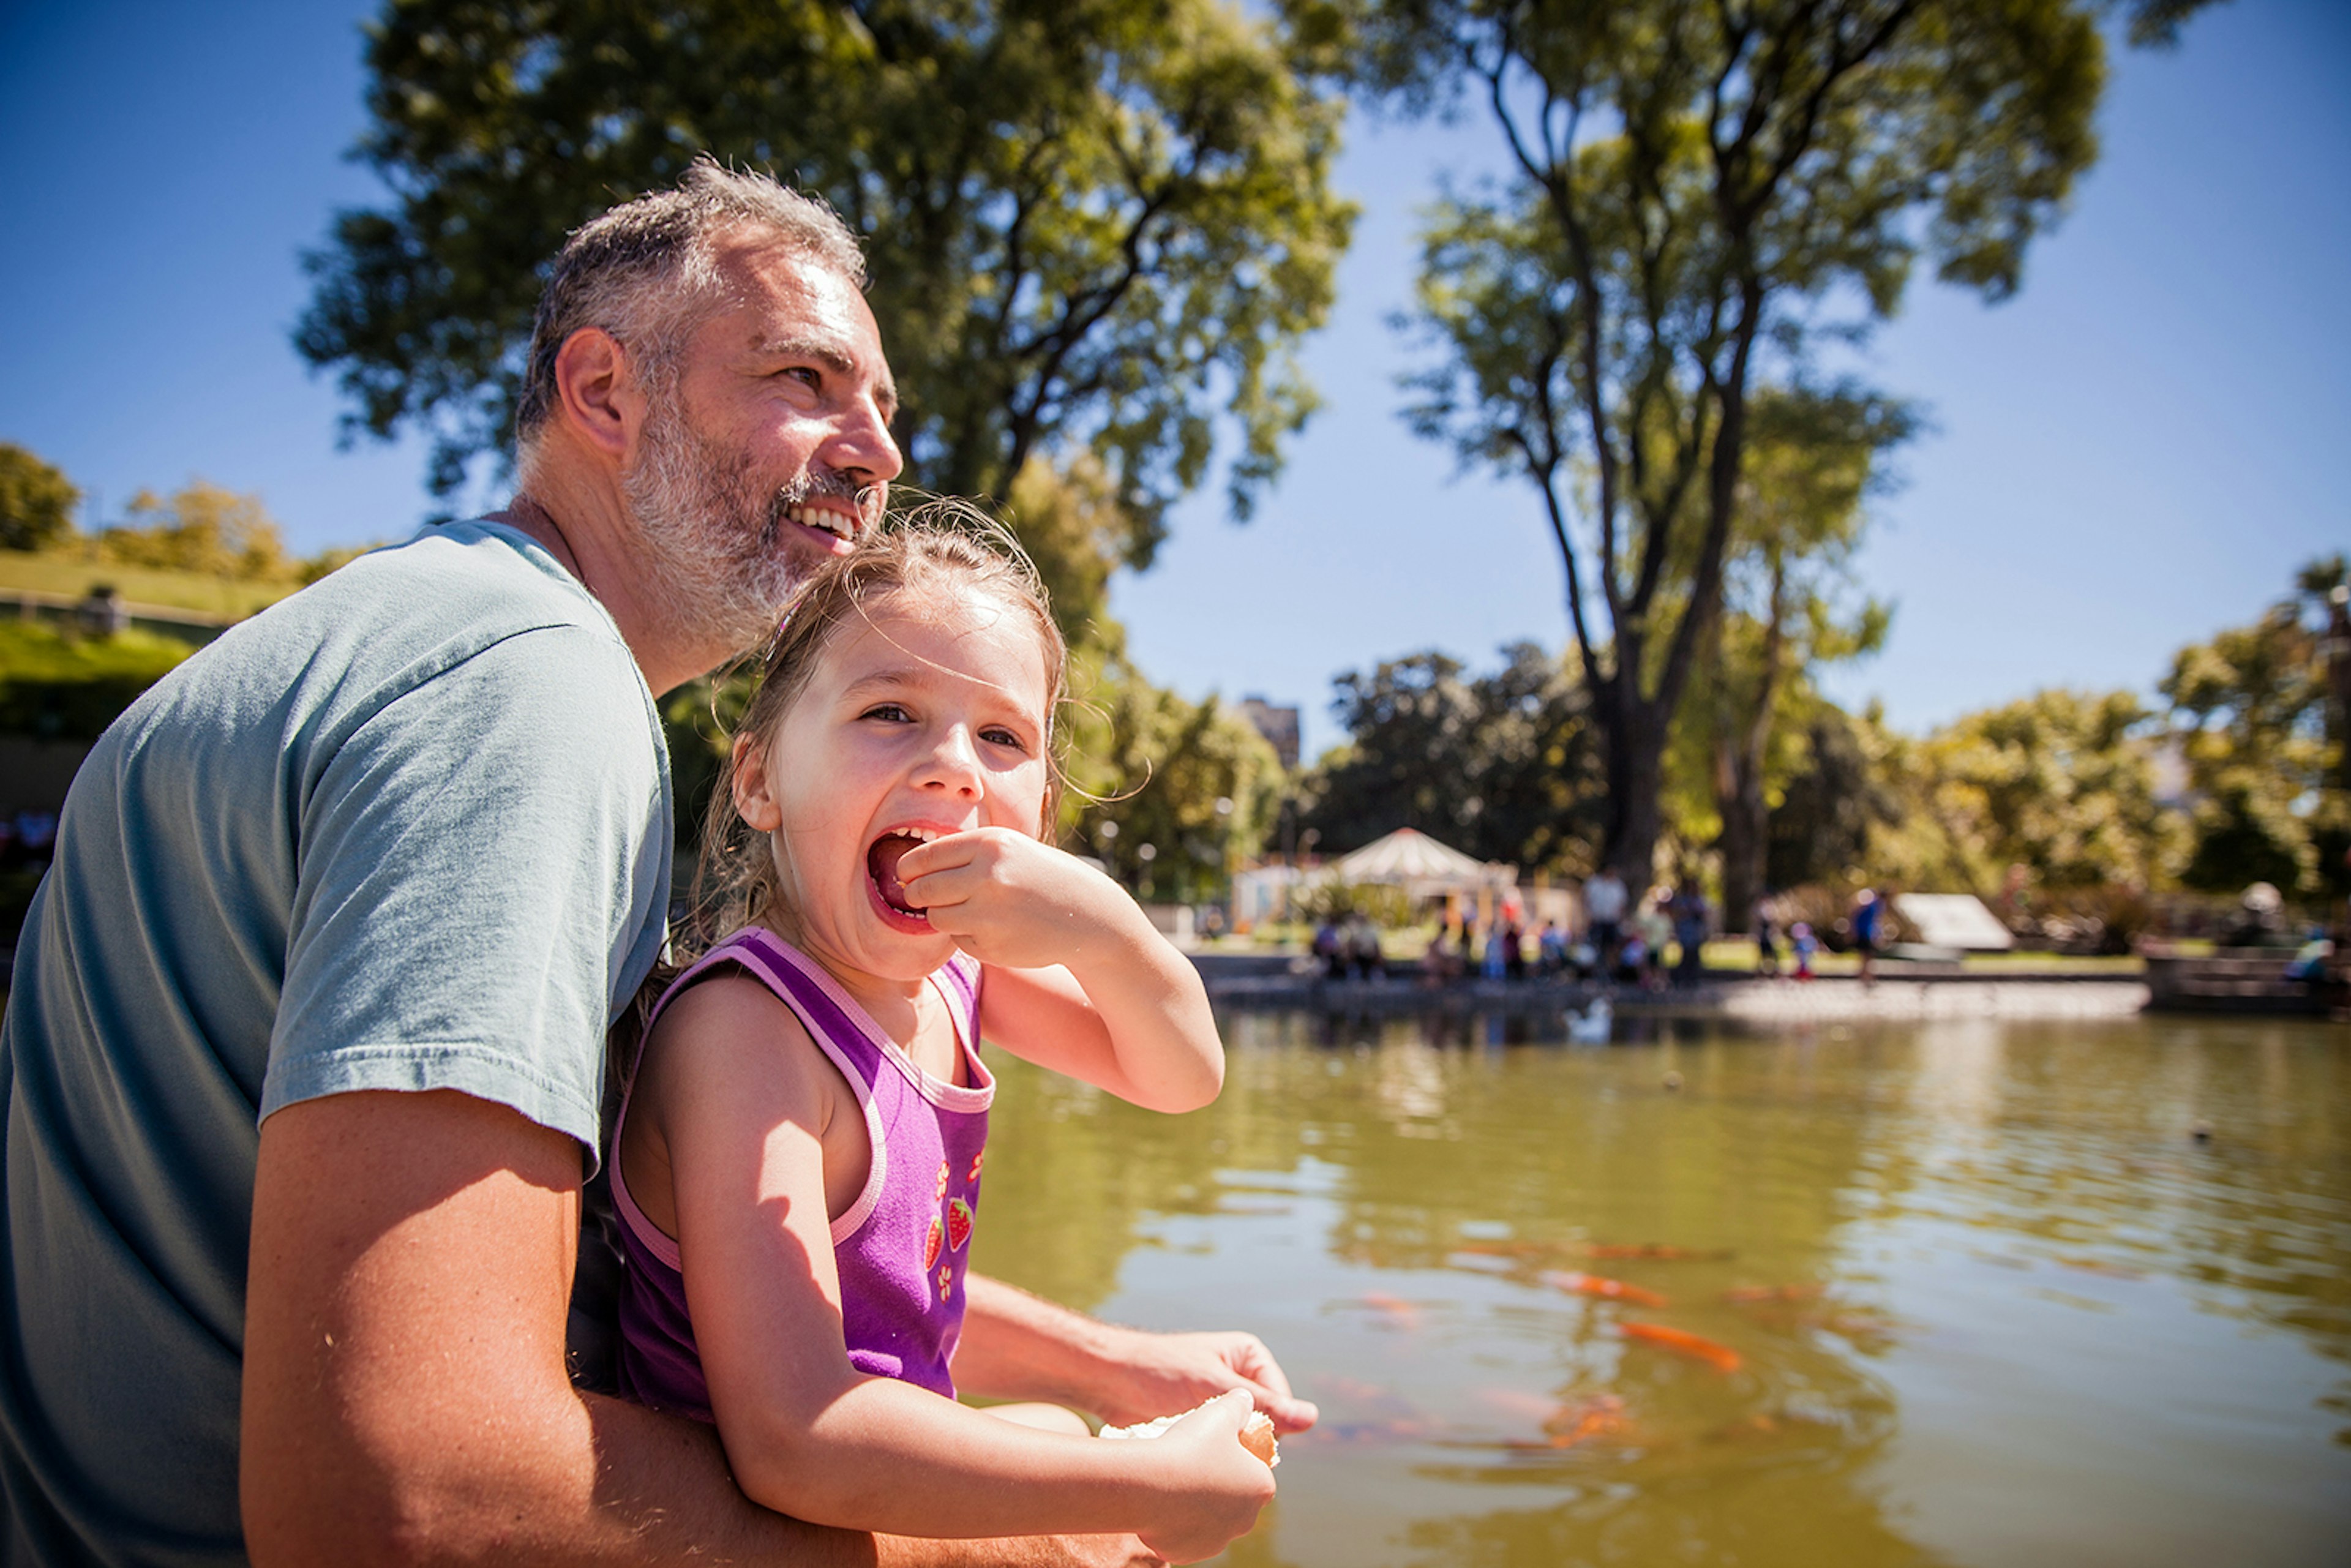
{"points": [[1965, 1291]]}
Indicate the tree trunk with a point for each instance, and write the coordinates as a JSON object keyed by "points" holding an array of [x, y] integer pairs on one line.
{"points": [[1739, 760], [1636, 775], [1745, 829]]}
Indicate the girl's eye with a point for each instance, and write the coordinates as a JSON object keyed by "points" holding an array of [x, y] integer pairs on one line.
{"points": [[997, 734], [888, 713]]}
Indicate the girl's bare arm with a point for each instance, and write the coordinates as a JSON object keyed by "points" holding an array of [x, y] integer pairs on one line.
{"points": [[1078, 980], [740, 1095]]}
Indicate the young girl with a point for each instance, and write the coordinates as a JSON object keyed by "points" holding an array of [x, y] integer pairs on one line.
{"points": [[797, 1155]]}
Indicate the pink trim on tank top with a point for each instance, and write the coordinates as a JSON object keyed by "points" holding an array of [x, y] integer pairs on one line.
{"points": [[752, 947]]}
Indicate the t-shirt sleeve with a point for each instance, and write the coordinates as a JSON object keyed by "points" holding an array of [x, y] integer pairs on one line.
{"points": [[479, 875]]}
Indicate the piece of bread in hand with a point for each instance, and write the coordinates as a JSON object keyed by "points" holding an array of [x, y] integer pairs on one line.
{"points": [[1257, 1432]]}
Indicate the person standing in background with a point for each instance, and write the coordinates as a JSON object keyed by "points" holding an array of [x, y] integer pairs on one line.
{"points": [[1868, 927], [1604, 900]]}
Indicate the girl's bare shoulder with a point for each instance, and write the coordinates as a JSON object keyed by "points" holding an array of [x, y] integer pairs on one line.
{"points": [[729, 1025]]}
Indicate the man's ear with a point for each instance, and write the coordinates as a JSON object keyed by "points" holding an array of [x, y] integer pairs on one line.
{"points": [[754, 802], [599, 395]]}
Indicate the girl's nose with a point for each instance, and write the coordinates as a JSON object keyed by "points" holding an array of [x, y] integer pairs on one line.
{"points": [[953, 763]]}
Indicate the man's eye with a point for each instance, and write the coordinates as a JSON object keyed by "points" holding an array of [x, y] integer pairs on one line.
{"points": [[806, 373]]}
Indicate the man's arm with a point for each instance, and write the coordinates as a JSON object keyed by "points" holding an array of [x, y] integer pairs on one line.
{"points": [[1020, 1346], [405, 1398]]}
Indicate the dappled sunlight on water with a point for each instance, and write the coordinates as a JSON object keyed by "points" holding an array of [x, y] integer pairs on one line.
{"points": [[1957, 1291]]}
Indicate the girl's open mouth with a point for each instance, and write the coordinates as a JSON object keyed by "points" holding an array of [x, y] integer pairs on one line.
{"points": [[882, 860]]}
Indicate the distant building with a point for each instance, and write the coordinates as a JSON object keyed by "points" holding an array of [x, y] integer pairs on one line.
{"points": [[1278, 725]]}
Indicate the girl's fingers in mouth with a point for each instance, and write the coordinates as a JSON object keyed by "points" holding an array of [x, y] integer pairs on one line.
{"points": [[940, 854], [937, 889]]}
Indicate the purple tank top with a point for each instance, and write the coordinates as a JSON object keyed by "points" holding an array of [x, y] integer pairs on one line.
{"points": [[903, 1248]]}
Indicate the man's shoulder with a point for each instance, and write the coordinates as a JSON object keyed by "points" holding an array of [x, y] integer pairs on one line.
{"points": [[474, 575], [471, 643], [398, 618], [458, 628]]}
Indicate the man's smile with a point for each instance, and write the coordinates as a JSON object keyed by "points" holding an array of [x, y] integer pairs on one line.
{"points": [[828, 516]]}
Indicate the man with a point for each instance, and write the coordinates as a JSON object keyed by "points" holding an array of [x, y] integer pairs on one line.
{"points": [[303, 1055]]}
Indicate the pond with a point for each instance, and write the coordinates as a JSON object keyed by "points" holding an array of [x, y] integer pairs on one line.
{"points": [[1963, 1291]]}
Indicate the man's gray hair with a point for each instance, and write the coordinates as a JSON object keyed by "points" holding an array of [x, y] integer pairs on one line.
{"points": [[647, 271]]}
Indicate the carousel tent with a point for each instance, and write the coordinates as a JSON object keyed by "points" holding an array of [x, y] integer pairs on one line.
{"points": [[1423, 867]]}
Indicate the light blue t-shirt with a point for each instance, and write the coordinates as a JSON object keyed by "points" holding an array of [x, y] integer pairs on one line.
{"points": [[409, 829]]}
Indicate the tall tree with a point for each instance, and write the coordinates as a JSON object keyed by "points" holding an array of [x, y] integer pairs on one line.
{"points": [[36, 500], [1096, 228], [1697, 189], [1092, 224]]}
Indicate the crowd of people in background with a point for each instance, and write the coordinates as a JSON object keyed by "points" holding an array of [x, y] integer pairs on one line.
{"points": [[1350, 946], [1654, 942]]}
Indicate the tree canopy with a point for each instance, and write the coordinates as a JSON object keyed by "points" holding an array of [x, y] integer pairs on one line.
{"points": [[1170, 794], [2250, 711], [1840, 797], [1499, 766], [1096, 225], [36, 500], [2067, 784], [200, 527], [1698, 193]]}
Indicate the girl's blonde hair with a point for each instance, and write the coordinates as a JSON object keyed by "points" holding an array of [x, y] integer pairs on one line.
{"points": [[943, 548]]}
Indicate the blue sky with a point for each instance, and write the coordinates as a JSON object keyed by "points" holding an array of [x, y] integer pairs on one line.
{"points": [[2138, 450]]}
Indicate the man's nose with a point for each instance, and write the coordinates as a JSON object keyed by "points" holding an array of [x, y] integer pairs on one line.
{"points": [[862, 447]]}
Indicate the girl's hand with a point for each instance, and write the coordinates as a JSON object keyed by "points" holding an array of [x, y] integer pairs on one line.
{"points": [[1212, 1488], [1175, 1371], [1011, 901], [1078, 981]]}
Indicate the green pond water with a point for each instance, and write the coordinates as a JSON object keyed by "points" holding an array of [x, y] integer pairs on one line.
{"points": [[1991, 1300]]}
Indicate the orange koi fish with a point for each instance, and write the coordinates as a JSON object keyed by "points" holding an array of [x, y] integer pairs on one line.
{"points": [[1594, 1285], [1681, 1341]]}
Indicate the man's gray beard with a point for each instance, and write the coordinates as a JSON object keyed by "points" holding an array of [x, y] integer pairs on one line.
{"points": [[719, 572]]}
